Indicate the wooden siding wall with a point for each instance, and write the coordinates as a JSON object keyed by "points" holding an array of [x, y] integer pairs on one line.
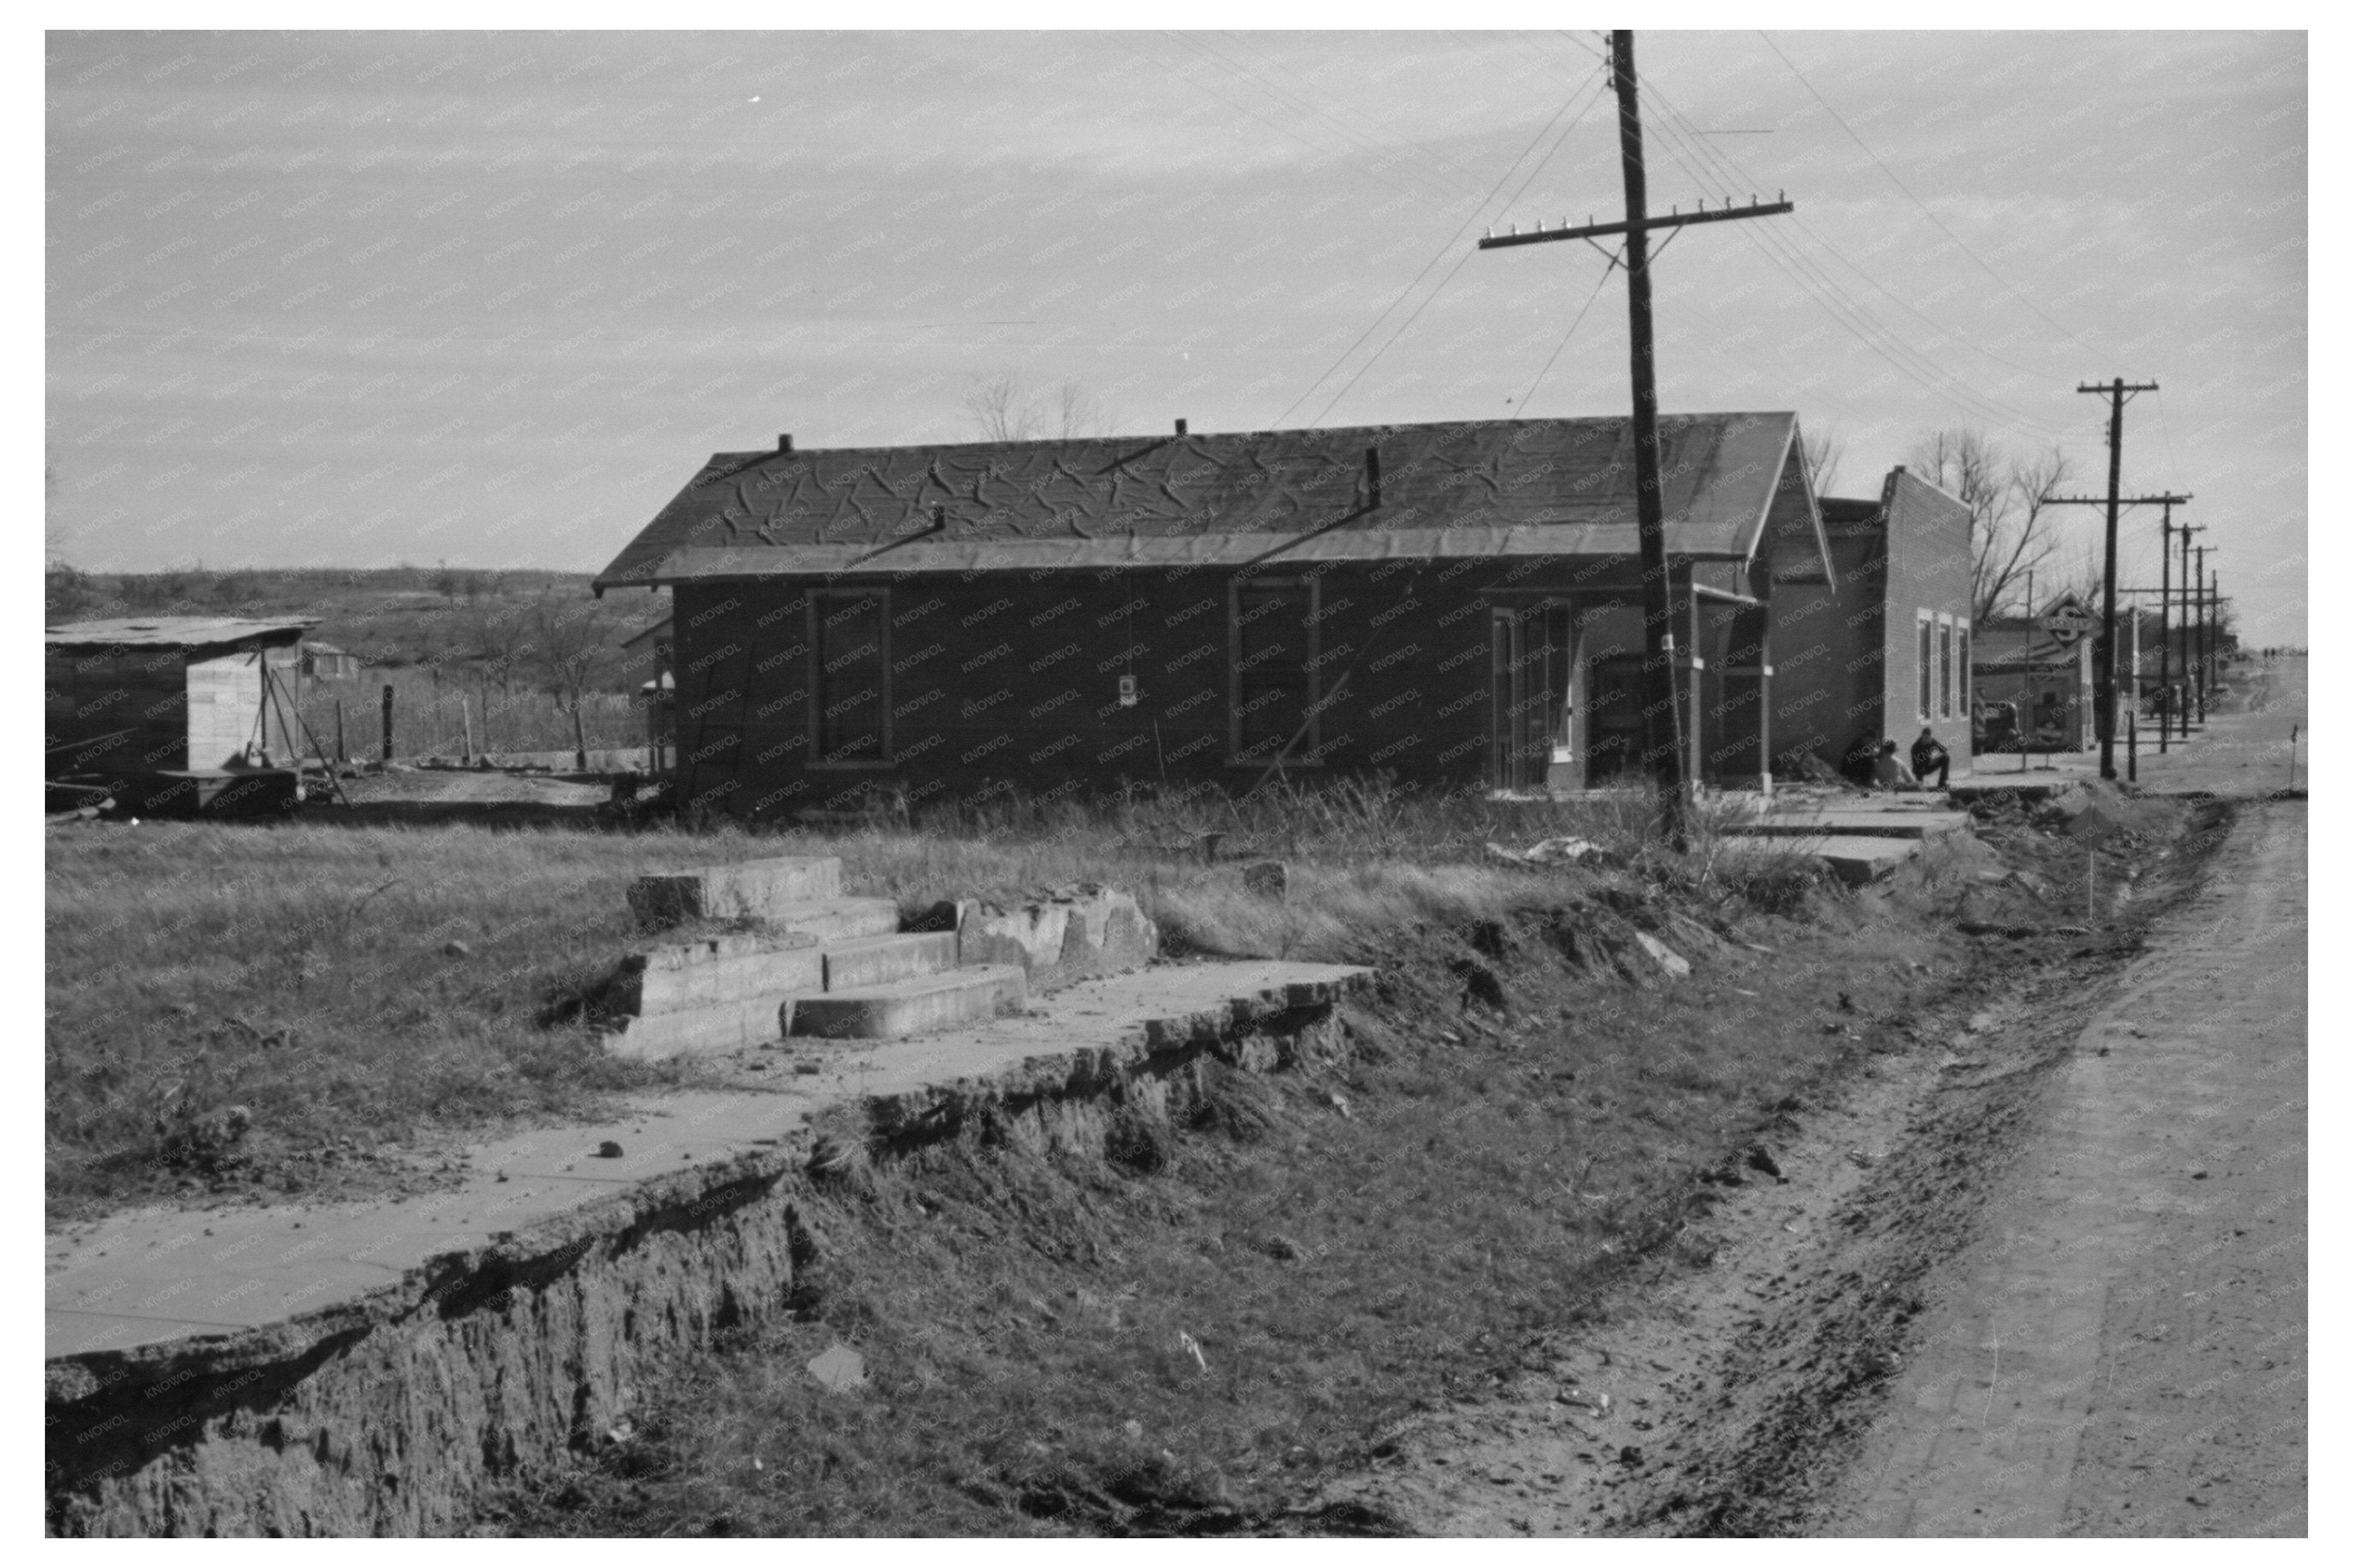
{"points": [[91, 695], [1012, 680]]}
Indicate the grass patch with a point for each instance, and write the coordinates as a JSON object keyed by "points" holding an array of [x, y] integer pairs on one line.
{"points": [[245, 1009]]}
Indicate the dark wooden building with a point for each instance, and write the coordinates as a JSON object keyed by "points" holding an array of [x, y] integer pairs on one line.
{"points": [[1455, 604]]}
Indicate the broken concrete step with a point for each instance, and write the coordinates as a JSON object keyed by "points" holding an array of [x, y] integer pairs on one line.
{"points": [[1080, 933], [863, 962], [834, 920], [1855, 859], [1854, 825], [733, 968], [747, 891], [716, 1029], [912, 1007]]}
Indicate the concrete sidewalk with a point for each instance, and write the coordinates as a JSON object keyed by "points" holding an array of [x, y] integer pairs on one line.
{"points": [[148, 1277]]}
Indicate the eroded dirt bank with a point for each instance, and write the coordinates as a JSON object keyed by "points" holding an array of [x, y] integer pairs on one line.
{"points": [[1558, 1243]]}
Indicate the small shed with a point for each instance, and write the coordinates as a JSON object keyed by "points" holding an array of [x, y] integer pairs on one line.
{"points": [[325, 661], [168, 694]]}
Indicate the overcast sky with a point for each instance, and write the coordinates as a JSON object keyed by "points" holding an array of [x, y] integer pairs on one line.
{"points": [[361, 299]]}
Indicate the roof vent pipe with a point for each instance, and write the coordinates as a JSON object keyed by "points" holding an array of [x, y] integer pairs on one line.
{"points": [[784, 443], [1180, 427]]}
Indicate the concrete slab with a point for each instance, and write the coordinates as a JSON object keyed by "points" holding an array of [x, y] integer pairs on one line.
{"points": [[746, 891], [1854, 859], [835, 920], [1899, 823], [722, 968], [2026, 788], [154, 1276], [715, 1029], [917, 1005], [881, 960]]}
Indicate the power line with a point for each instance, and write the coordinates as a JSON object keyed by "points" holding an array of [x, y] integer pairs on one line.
{"points": [[1916, 202], [1849, 313], [1452, 241], [1428, 298], [1531, 392]]}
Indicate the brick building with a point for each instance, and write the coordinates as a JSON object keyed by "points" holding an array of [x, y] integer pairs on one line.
{"points": [[1874, 643], [1455, 604]]}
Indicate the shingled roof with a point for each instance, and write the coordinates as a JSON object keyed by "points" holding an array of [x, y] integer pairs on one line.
{"points": [[1528, 487]]}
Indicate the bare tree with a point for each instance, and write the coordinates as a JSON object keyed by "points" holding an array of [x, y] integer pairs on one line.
{"points": [[570, 644], [1005, 411], [1821, 455], [2011, 529], [500, 632]]}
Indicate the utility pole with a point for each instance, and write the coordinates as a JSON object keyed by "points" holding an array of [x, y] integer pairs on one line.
{"points": [[1661, 704], [2164, 623], [2200, 644], [2104, 709], [2105, 714], [2185, 530]]}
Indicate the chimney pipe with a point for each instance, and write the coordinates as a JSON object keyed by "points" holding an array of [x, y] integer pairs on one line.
{"points": [[1180, 427], [784, 443]]}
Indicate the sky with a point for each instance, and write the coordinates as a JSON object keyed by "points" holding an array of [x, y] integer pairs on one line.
{"points": [[364, 299]]}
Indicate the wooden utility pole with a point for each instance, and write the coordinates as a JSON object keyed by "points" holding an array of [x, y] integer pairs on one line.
{"points": [[2205, 635], [2185, 529], [2104, 698], [2164, 631], [1663, 743]]}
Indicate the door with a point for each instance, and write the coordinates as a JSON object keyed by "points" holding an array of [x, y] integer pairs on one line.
{"points": [[1615, 731], [1526, 712]]}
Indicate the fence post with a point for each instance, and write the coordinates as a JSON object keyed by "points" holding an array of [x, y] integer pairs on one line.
{"points": [[387, 724], [341, 754]]}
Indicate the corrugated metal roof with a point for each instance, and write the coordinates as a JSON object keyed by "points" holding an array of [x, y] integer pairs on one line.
{"points": [[175, 631], [1452, 482]]}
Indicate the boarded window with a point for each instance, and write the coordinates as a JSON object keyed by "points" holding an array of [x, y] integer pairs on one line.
{"points": [[1272, 644], [1927, 665], [849, 688]]}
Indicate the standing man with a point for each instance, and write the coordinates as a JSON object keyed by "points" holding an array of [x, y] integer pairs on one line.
{"points": [[1929, 757]]}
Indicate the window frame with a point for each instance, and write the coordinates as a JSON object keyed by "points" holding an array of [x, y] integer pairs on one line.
{"points": [[818, 600], [1924, 654], [1313, 701], [1962, 669], [1946, 682]]}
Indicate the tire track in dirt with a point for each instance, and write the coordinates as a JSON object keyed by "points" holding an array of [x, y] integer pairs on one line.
{"points": [[1744, 1366]]}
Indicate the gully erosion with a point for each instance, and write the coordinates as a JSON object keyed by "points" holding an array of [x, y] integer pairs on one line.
{"points": [[1048, 1230]]}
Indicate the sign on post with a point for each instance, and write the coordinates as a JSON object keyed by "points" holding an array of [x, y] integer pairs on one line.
{"points": [[2068, 622]]}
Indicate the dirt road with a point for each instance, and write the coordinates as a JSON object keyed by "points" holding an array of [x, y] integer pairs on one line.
{"points": [[2124, 1352], [2046, 1279]]}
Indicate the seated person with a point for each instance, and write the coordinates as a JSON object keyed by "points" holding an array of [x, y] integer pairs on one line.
{"points": [[1889, 772], [1929, 757]]}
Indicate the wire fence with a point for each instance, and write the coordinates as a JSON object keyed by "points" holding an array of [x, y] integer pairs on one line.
{"points": [[434, 717]]}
